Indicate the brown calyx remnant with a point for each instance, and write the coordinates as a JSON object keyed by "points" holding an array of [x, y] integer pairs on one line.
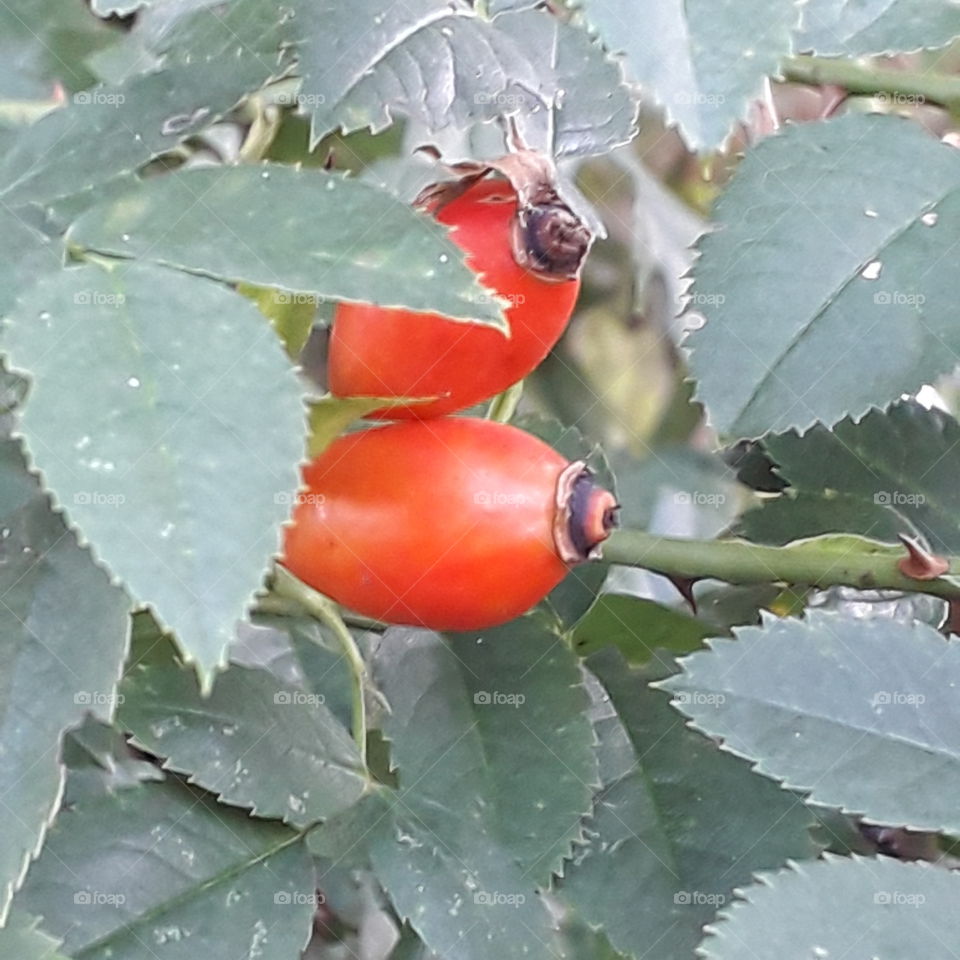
{"points": [[586, 514], [549, 239]]}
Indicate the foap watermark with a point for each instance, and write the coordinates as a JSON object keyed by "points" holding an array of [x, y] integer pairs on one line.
{"points": [[494, 898], [500, 300], [697, 698], [699, 498], [95, 498], [899, 898], [287, 499], [894, 99], [98, 298], [699, 299], [501, 99], [98, 698], [698, 898], [491, 498], [294, 698], [700, 99], [898, 498], [494, 698], [297, 898], [898, 298], [301, 101], [295, 298], [897, 698], [98, 98], [98, 898]]}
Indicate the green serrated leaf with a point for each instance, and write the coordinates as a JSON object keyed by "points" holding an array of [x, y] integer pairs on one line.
{"points": [[854, 712], [301, 230], [495, 763], [291, 314], [167, 33], [176, 452], [847, 235], [495, 7], [47, 42], [591, 111], [839, 28], [637, 627], [63, 636], [163, 871], [704, 61], [121, 8], [677, 491], [101, 761], [441, 63], [25, 255], [330, 416], [21, 938], [254, 742], [892, 472], [450, 65], [676, 826], [511, 702], [109, 131], [300, 652], [839, 907]]}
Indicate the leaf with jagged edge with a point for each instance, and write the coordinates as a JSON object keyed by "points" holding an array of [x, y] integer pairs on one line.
{"points": [[330, 416], [838, 28], [839, 907], [586, 108], [108, 131], [22, 939], [303, 230], [120, 8], [25, 255], [703, 60], [637, 627], [513, 704], [300, 652], [854, 712], [47, 42], [447, 65], [895, 471], [101, 761], [846, 221], [495, 763], [495, 7], [254, 742], [291, 315], [162, 870], [676, 826], [64, 632], [177, 452], [442, 62]]}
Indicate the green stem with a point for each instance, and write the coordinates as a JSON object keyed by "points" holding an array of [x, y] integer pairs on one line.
{"points": [[504, 405], [804, 564], [863, 77], [288, 586]]}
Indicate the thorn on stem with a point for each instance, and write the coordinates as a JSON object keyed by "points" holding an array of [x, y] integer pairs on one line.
{"points": [[685, 587], [920, 564]]}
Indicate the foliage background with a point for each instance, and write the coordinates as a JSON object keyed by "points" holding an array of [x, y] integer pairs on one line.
{"points": [[177, 773]]}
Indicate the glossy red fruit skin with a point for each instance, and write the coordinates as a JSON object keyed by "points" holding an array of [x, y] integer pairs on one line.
{"points": [[446, 524], [377, 352]]}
